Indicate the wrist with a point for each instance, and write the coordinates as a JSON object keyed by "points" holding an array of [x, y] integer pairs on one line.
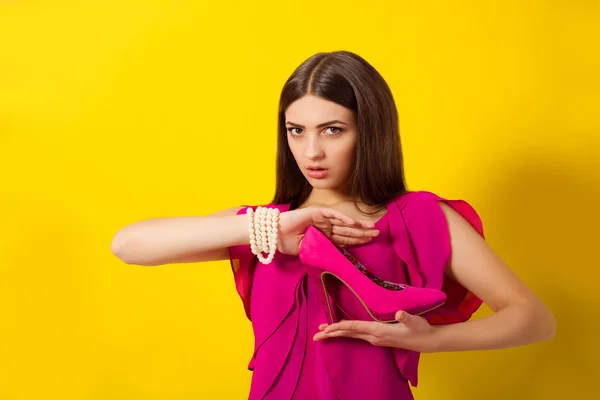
{"points": [[432, 340], [263, 226], [284, 222]]}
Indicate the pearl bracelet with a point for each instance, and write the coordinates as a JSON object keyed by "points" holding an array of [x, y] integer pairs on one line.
{"points": [[262, 228]]}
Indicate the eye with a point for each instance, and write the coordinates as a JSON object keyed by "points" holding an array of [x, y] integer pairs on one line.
{"points": [[336, 131], [291, 130]]}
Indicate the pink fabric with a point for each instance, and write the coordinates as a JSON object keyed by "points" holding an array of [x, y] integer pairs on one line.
{"points": [[284, 308]]}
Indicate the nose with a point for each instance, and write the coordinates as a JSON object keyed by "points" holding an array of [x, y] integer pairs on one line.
{"points": [[314, 148]]}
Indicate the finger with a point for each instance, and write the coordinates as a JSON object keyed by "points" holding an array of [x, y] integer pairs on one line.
{"points": [[347, 241], [359, 223], [335, 221], [350, 334], [335, 214], [353, 326], [366, 224], [340, 218], [402, 316], [354, 232]]}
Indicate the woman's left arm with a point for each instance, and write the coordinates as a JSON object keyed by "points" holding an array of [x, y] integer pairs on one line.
{"points": [[519, 317]]}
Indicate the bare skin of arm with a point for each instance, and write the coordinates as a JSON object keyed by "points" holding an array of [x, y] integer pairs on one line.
{"points": [[172, 240]]}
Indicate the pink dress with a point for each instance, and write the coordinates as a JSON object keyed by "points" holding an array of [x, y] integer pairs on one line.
{"points": [[283, 305]]}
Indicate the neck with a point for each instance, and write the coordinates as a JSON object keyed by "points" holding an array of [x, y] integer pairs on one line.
{"points": [[326, 197]]}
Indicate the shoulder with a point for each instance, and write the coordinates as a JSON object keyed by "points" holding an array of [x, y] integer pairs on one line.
{"points": [[423, 206], [425, 200], [418, 199]]}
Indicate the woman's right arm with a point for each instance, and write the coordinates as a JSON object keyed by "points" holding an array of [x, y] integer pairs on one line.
{"points": [[172, 240]]}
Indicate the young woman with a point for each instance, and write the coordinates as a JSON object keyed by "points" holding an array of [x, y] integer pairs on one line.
{"points": [[340, 177]]}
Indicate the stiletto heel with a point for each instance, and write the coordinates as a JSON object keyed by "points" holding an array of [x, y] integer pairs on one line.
{"points": [[326, 303], [333, 270]]}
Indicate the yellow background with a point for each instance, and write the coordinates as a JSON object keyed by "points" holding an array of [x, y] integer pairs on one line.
{"points": [[112, 112]]}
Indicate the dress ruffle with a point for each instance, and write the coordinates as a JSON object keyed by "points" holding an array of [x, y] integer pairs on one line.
{"points": [[278, 361], [422, 240], [279, 334]]}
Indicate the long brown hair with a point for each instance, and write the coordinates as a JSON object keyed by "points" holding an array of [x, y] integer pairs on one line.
{"points": [[350, 81]]}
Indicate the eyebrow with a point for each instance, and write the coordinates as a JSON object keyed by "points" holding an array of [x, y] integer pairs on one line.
{"points": [[335, 121]]}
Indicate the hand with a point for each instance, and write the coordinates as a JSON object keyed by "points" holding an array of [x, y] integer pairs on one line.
{"points": [[412, 332], [333, 223]]}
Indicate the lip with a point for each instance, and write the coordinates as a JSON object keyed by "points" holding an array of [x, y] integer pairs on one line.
{"points": [[313, 172]]}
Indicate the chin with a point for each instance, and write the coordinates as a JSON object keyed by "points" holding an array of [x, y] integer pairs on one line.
{"points": [[321, 183]]}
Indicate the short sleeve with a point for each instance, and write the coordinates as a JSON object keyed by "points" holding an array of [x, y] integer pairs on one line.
{"points": [[243, 263], [428, 233]]}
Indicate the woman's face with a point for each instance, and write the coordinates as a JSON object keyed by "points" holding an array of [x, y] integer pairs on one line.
{"points": [[322, 137]]}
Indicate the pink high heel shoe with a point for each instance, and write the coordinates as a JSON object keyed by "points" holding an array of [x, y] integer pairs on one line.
{"points": [[334, 270]]}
